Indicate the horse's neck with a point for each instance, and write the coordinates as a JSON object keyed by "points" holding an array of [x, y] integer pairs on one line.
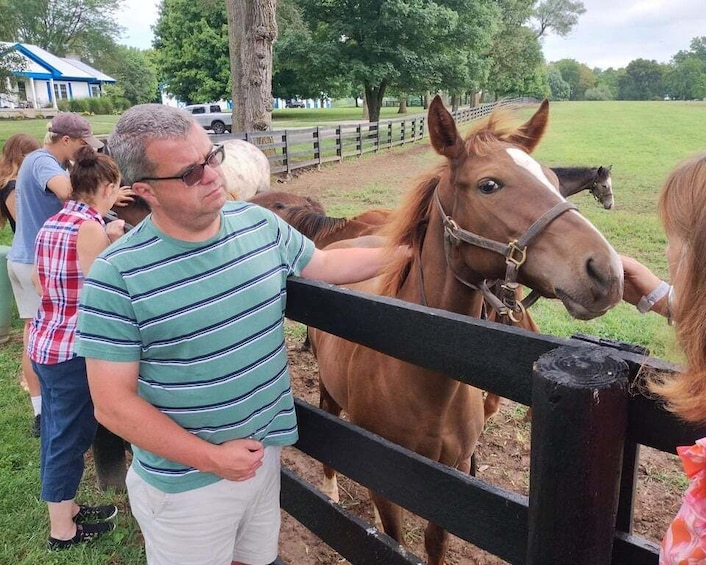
{"points": [[572, 182], [432, 282]]}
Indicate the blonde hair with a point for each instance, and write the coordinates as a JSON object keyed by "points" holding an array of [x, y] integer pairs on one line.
{"points": [[682, 209], [16, 148]]}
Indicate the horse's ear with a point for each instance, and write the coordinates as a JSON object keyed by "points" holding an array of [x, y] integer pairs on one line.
{"points": [[530, 133], [443, 134]]}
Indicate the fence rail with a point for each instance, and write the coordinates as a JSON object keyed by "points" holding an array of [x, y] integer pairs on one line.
{"points": [[296, 148], [502, 360]]}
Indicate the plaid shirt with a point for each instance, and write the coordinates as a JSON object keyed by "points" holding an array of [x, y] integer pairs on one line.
{"points": [[51, 338]]}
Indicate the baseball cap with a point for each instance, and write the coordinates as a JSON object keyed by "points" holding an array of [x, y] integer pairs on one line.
{"points": [[73, 125]]}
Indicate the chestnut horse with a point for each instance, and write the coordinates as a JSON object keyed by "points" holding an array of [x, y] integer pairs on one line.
{"points": [[489, 211]]}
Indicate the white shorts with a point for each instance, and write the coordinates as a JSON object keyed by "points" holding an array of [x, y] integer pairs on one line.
{"points": [[26, 296], [223, 522]]}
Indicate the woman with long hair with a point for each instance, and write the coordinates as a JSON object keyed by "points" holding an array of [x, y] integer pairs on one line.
{"points": [[682, 209], [16, 148]]}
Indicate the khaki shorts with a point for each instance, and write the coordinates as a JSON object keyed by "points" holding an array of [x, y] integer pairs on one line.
{"points": [[223, 522], [26, 296]]}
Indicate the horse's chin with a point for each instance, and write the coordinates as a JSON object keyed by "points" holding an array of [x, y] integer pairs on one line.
{"points": [[578, 310]]}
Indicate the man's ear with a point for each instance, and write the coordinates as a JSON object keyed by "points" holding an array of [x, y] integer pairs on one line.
{"points": [[144, 190]]}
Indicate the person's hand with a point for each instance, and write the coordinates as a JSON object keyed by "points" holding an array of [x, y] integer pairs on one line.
{"points": [[639, 280], [115, 229], [125, 196], [237, 460]]}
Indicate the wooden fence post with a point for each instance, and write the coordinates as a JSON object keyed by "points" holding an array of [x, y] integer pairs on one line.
{"points": [[579, 422]]}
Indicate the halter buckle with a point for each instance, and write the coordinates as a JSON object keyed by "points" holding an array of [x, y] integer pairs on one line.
{"points": [[451, 230], [510, 254]]}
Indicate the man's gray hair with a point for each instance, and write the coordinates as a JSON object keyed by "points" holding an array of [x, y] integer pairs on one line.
{"points": [[137, 128]]}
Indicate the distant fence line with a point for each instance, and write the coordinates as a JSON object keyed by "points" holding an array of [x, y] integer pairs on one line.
{"points": [[296, 148]]}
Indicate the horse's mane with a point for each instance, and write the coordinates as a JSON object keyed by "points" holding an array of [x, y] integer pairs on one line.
{"points": [[575, 173], [408, 224], [312, 224]]}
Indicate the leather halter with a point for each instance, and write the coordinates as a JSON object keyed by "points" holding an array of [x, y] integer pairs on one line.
{"points": [[515, 253]]}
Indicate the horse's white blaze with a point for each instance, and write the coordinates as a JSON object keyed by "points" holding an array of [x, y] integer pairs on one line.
{"points": [[525, 161]]}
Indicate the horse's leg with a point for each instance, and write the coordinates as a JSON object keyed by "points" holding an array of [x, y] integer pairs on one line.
{"points": [[329, 485], [436, 539], [436, 542], [491, 405], [388, 517]]}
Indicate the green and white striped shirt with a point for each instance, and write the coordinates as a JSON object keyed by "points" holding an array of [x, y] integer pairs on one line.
{"points": [[205, 321]]}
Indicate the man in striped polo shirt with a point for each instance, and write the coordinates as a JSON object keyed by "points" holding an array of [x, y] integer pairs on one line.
{"points": [[181, 324]]}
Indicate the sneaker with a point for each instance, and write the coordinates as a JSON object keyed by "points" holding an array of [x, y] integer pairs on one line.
{"points": [[84, 532], [87, 514], [37, 425]]}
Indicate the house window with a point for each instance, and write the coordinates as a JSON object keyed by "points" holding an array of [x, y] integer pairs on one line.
{"points": [[60, 91], [95, 90], [21, 90]]}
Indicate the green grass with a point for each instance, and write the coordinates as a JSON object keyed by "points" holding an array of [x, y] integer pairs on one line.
{"points": [[642, 140]]}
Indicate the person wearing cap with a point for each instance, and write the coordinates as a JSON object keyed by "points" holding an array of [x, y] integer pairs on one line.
{"points": [[41, 187]]}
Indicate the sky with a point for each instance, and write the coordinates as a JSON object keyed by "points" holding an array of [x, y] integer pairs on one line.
{"points": [[611, 33]]}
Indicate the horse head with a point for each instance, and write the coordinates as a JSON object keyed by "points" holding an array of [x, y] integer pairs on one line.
{"points": [[602, 188], [500, 216]]}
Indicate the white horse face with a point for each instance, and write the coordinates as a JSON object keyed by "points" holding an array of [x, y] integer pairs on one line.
{"points": [[246, 169]]}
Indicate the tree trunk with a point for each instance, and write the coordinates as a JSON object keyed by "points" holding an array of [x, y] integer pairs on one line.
{"points": [[252, 31], [404, 99], [373, 98], [454, 102]]}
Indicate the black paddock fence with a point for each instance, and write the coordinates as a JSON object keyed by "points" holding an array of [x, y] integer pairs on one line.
{"points": [[587, 427], [296, 148]]}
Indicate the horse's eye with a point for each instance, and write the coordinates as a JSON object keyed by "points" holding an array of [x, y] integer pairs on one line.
{"points": [[488, 186]]}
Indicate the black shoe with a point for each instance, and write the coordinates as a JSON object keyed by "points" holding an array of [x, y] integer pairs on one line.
{"points": [[95, 513], [84, 532], [37, 426]]}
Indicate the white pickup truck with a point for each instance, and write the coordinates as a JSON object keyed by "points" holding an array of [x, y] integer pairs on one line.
{"points": [[212, 117]]}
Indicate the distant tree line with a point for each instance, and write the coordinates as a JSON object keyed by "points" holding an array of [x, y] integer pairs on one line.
{"points": [[683, 78]]}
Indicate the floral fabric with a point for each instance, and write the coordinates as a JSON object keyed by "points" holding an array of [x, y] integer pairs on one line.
{"points": [[685, 540]]}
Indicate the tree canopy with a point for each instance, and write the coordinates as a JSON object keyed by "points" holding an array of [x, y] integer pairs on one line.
{"points": [[191, 44], [62, 27]]}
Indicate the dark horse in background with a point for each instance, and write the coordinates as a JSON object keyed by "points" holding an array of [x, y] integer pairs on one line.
{"points": [[597, 181], [488, 205]]}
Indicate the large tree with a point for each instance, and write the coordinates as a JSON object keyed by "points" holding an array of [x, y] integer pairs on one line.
{"points": [[252, 32], [191, 46], [134, 71], [642, 81], [558, 16], [383, 43], [62, 27]]}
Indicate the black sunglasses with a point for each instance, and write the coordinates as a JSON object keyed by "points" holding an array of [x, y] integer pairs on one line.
{"points": [[194, 174]]}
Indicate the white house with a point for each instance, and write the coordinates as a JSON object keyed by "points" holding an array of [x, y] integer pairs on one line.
{"points": [[46, 78]]}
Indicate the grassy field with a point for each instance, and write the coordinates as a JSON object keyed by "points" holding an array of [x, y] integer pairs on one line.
{"points": [[642, 141]]}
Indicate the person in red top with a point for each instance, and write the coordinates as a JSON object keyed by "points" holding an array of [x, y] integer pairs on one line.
{"points": [[65, 248]]}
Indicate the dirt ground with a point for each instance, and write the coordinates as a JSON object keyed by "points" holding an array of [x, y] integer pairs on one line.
{"points": [[504, 450]]}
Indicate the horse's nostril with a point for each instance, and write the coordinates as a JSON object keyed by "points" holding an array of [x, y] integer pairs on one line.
{"points": [[593, 271]]}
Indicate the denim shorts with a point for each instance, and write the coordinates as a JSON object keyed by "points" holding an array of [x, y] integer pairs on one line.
{"points": [[68, 427]]}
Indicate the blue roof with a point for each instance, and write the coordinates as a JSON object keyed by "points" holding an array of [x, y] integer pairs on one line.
{"points": [[41, 64]]}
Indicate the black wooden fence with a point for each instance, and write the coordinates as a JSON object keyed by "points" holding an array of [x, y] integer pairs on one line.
{"points": [[586, 432], [296, 148]]}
